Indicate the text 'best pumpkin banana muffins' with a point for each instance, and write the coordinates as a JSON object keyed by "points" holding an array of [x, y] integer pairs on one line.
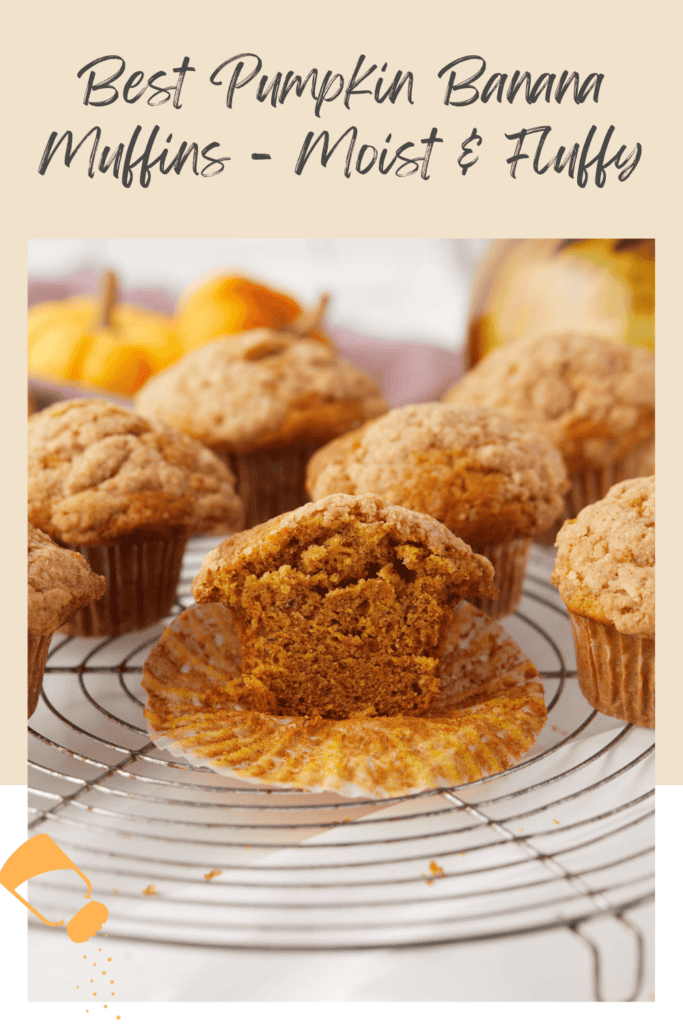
{"points": [[265, 401], [605, 572], [59, 583], [126, 492], [342, 606], [494, 482], [593, 398]]}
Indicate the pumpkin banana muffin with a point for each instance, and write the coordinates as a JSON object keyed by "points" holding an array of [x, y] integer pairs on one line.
{"points": [[342, 606], [605, 572], [59, 583], [126, 492], [265, 401], [487, 714], [494, 482], [593, 398]]}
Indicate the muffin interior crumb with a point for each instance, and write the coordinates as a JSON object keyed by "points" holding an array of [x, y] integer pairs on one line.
{"points": [[351, 624]]}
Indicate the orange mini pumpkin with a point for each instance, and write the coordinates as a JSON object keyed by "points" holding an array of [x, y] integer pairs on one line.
{"points": [[224, 304], [99, 341], [599, 286]]}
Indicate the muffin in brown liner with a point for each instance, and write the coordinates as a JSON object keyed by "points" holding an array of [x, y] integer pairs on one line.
{"points": [[59, 583], [270, 482], [616, 671], [592, 397], [485, 718], [126, 493], [142, 573], [264, 400], [605, 572], [492, 481]]}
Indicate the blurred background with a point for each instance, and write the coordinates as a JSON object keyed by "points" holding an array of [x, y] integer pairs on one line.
{"points": [[400, 290], [414, 314]]}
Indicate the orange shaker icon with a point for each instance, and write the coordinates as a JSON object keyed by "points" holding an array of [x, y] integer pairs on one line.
{"points": [[38, 855]]}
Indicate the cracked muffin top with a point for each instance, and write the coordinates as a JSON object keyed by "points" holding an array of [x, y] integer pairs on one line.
{"points": [[486, 477], [261, 389], [342, 606], [97, 471], [59, 583], [605, 566], [593, 398]]}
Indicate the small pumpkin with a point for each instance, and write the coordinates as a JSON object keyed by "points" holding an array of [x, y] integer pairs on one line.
{"points": [[99, 341], [223, 305], [602, 286]]}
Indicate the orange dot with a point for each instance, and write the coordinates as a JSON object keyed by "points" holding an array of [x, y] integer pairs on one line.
{"points": [[104, 972], [85, 958], [108, 959], [94, 993]]}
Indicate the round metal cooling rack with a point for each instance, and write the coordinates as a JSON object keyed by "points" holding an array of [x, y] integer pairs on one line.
{"points": [[179, 854]]}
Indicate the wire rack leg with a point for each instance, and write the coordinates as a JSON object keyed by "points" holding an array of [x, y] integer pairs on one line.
{"points": [[598, 966]]}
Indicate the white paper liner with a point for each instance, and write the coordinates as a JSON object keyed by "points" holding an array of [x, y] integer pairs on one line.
{"points": [[488, 715]]}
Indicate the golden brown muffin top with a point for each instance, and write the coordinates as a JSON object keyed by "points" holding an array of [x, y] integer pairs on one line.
{"points": [[605, 566], [265, 546], [592, 398], [97, 471], [261, 389], [485, 476], [59, 583]]}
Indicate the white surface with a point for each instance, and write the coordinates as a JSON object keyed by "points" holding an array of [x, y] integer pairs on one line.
{"points": [[396, 289]]}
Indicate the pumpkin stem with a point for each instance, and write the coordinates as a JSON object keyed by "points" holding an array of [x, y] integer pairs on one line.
{"points": [[310, 320], [108, 295]]}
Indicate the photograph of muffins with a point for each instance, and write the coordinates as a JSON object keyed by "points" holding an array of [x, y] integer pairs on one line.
{"points": [[59, 583], [341, 662], [593, 398], [493, 481], [265, 401], [343, 745], [126, 493], [605, 573]]}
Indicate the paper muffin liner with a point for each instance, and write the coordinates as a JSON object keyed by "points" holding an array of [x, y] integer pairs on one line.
{"points": [[38, 647], [591, 485], [142, 573], [616, 671], [509, 565], [271, 481], [487, 716]]}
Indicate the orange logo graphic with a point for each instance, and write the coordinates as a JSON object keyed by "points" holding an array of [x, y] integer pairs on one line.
{"points": [[38, 855]]}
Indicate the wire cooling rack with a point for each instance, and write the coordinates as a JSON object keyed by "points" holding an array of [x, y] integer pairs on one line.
{"points": [[182, 855]]}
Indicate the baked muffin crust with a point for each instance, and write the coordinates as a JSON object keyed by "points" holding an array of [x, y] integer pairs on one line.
{"points": [[59, 583], [593, 398], [488, 478], [342, 606], [605, 566], [97, 471], [261, 389]]}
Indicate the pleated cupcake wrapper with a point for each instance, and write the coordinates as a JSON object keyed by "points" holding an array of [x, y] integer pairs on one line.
{"points": [[271, 482], [488, 714], [38, 647], [616, 671], [142, 576], [590, 485], [509, 564]]}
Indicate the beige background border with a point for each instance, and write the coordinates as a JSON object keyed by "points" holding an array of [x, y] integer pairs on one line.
{"points": [[267, 199]]}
